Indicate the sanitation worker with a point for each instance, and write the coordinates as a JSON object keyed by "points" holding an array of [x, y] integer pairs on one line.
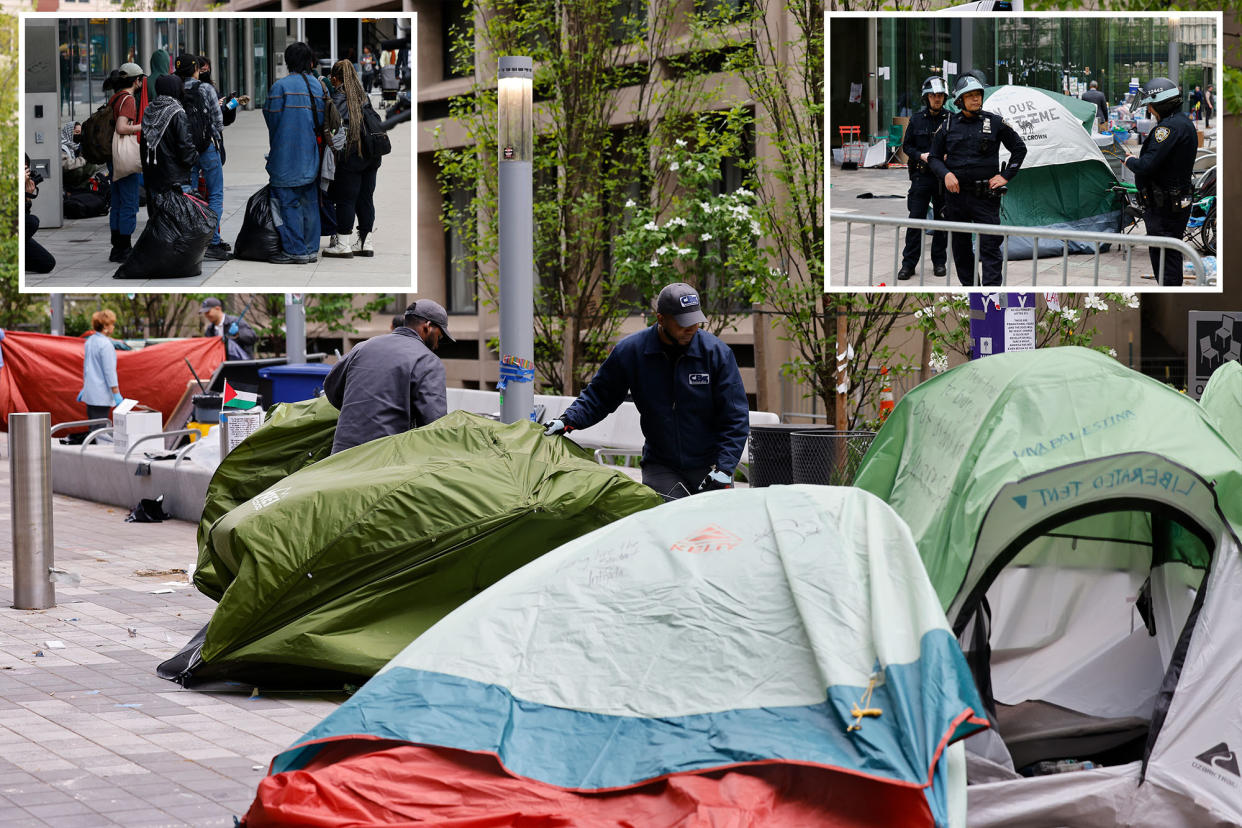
{"points": [[689, 394], [391, 383]]}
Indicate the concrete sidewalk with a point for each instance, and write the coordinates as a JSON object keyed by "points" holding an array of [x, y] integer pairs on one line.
{"points": [[81, 246], [89, 735]]}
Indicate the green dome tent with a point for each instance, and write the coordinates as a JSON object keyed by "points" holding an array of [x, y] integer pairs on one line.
{"points": [[1065, 179], [1080, 524], [330, 571], [293, 436], [1222, 399]]}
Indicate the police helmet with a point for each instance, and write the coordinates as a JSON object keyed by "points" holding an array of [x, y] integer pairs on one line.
{"points": [[1162, 94], [934, 85], [966, 83]]}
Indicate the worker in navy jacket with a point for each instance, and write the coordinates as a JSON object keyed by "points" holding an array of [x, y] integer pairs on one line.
{"points": [[689, 394]]}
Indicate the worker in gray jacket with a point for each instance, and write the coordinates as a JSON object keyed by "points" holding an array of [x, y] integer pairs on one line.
{"points": [[392, 383]]}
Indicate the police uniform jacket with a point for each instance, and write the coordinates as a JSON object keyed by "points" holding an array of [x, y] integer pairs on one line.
{"points": [[386, 385], [692, 408], [1168, 155], [923, 125], [970, 147]]}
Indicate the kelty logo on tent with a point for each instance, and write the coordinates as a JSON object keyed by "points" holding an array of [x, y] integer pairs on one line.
{"points": [[711, 539]]}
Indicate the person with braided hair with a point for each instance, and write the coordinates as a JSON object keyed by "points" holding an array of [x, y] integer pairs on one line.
{"points": [[354, 186]]}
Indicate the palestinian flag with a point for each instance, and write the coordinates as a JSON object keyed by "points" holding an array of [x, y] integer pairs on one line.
{"points": [[239, 399]]}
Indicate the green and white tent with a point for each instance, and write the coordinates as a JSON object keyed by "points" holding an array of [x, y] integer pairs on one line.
{"points": [[1065, 179], [327, 573], [1222, 399], [1080, 524]]}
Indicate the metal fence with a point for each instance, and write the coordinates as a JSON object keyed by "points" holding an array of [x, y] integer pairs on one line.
{"points": [[888, 275]]}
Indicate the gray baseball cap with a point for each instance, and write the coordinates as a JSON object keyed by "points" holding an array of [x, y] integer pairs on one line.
{"points": [[130, 70], [433, 312], [681, 302]]}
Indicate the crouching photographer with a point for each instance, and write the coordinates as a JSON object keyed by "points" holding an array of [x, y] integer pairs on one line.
{"points": [[38, 259]]}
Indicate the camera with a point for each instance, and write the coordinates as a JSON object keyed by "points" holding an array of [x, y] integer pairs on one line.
{"points": [[36, 177]]}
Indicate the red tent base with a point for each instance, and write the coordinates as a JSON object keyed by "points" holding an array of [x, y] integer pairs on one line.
{"points": [[386, 783]]}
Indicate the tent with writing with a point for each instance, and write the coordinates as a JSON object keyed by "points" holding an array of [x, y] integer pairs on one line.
{"points": [[1065, 179], [1080, 524], [327, 573], [759, 657]]}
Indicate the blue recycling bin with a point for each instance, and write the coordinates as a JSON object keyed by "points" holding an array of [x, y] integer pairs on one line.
{"points": [[293, 383]]}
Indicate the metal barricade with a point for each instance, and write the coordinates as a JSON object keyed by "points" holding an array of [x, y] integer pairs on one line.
{"points": [[1127, 241]]}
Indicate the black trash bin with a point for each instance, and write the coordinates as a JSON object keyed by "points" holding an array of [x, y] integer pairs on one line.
{"points": [[816, 456], [771, 462]]}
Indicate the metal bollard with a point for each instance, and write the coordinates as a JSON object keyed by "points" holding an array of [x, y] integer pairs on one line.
{"points": [[30, 483]]}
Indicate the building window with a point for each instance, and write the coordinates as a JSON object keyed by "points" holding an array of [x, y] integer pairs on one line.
{"points": [[460, 282]]}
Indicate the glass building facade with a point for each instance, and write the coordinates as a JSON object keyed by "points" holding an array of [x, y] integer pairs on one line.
{"points": [[1061, 54]]}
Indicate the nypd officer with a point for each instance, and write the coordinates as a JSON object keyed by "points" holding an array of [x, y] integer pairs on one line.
{"points": [[965, 154], [1162, 172], [924, 185]]}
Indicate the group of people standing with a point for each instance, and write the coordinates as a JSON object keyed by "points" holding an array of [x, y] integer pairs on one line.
{"points": [[954, 168], [167, 135]]}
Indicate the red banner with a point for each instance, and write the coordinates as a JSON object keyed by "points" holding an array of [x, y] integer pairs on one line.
{"points": [[44, 373]]}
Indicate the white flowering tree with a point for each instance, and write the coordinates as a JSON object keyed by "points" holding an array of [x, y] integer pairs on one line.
{"points": [[1069, 320], [700, 235]]}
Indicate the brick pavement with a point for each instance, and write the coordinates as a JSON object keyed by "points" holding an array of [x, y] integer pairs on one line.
{"points": [[89, 735]]}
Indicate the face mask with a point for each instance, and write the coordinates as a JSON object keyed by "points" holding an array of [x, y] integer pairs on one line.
{"points": [[205, 77]]}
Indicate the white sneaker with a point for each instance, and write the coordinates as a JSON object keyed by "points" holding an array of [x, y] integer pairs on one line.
{"points": [[364, 247], [339, 249]]}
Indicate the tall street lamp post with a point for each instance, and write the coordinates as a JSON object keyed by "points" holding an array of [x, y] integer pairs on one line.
{"points": [[516, 225]]}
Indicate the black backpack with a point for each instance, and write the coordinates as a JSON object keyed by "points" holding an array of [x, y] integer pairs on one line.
{"points": [[375, 141], [196, 113], [97, 130]]}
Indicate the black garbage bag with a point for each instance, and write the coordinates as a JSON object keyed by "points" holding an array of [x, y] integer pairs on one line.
{"points": [[258, 240], [148, 510], [173, 242]]}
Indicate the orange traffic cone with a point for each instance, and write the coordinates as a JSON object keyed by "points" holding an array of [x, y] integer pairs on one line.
{"points": [[886, 396]]}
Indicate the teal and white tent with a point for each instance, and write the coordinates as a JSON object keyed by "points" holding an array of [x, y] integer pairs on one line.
{"points": [[1065, 179]]}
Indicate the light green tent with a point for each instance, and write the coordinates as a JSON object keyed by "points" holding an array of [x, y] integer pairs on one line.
{"points": [[329, 572], [1222, 399], [1080, 524], [1065, 179]]}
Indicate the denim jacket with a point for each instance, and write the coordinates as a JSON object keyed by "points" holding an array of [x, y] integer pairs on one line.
{"points": [[294, 157]]}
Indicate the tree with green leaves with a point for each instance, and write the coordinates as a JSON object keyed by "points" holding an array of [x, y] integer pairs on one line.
{"points": [[612, 94]]}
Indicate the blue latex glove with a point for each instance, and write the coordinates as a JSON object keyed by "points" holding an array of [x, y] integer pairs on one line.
{"points": [[554, 427], [233, 329], [116, 399], [716, 479]]}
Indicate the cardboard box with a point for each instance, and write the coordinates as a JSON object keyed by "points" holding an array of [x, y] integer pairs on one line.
{"points": [[137, 422]]}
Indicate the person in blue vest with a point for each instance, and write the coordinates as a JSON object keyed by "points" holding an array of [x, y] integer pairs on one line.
{"points": [[1162, 172], [689, 394], [965, 155], [925, 187]]}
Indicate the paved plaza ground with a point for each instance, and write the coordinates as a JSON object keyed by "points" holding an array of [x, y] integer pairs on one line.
{"points": [[81, 246], [89, 735], [844, 189]]}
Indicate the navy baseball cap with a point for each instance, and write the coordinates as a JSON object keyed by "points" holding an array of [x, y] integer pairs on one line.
{"points": [[680, 302]]}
